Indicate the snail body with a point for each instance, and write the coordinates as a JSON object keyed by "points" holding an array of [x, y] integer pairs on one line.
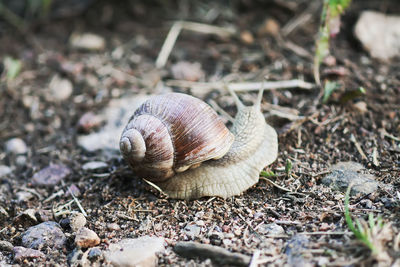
{"points": [[211, 161]]}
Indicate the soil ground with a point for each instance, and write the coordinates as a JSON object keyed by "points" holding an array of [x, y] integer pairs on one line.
{"points": [[322, 138]]}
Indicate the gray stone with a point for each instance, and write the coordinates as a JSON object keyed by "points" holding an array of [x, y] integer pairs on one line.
{"points": [[21, 254], [345, 173], [6, 246], [4, 170], [51, 175], [16, 146], [379, 34], [271, 229], [86, 238], [46, 234], [94, 254], [94, 165], [76, 221], [135, 252], [294, 250]]}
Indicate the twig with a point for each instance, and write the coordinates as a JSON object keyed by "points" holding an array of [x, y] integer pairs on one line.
{"points": [[326, 233], [168, 44], [155, 186], [54, 195], [247, 86], [218, 255], [78, 203], [354, 140], [276, 185], [176, 29], [219, 110]]}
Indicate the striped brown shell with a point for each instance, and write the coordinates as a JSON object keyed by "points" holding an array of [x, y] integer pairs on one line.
{"points": [[171, 133]]}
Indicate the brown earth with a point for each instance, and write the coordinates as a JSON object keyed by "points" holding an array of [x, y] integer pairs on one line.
{"points": [[321, 138]]}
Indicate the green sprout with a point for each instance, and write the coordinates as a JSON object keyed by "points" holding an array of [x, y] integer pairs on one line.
{"points": [[363, 231], [267, 174], [13, 67], [288, 167], [330, 25]]}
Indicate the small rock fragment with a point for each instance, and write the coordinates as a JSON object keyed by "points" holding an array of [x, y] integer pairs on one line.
{"points": [[184, 70], [113, 227], [4, 170], [270, 26], [21, 254], [88, 122], [76, 221], [246, 37], [51, 175], [16, 146], [271, 229], [87, 41], [86, 238], [94, 165], [218, 255], [344, 173], [360, 107], [46, 234], [379, 34], [94, 254], [135, 252], [6, 246], [60, 89], [192, 230]]}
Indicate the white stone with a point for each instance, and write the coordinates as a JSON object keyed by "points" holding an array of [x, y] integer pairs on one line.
{"points": [[379, 34], [16, 146], [135, 252], [87, 41]]}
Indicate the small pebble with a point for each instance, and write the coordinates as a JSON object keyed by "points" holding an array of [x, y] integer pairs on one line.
{"points": [[86, 238], [192, 230], [94, 254], [87, 41], [271, 229], [21, 254], [113, 227], [16, 146], [60, 89], [77, 220], [4, 170], [94, 165], [184, 70], [6, 246], [88, 122], [246, 37], [51, 175], [46, 234]]}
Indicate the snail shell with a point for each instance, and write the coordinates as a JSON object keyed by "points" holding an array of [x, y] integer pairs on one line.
{"points": [[179, 142], [171, 133]]}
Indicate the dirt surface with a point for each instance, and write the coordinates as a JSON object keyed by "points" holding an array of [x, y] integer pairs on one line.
{"points": [[313, 138]]}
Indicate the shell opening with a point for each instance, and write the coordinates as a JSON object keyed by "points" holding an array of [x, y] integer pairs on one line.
{"points": [[132, 145]]}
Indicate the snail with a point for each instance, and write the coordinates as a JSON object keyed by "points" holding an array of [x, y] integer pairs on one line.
{"points": [[179, 143]]}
